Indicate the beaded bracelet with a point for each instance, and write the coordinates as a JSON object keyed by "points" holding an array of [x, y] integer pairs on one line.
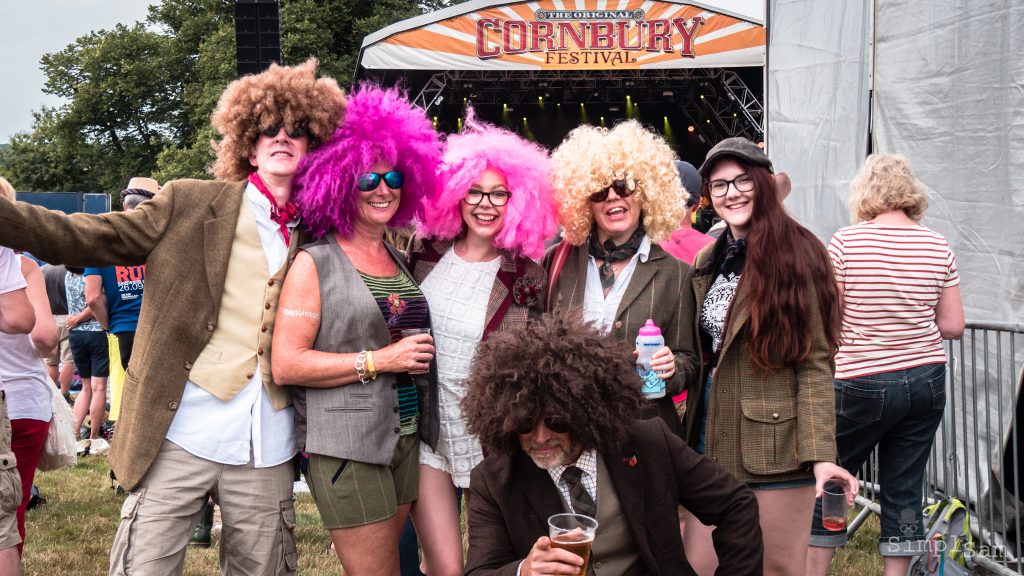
{"points": [[360, 366]]}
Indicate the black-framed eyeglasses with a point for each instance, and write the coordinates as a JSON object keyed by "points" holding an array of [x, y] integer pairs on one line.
{"points": [[392, 179], [719, 188], [293, 133], [624, 189], [496, 197], [556, 424]]}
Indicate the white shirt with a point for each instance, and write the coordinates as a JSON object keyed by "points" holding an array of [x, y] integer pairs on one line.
{"points": [[587, 463], [227, 432], [598, 309], [24, 379], [10, 272]]}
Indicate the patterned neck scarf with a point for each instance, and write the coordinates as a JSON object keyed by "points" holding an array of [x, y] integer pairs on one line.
{"points": [[735, 252], [609, 252], [281, 215]]}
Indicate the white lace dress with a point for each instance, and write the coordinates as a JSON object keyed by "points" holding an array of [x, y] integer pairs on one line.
{"points": [[457, 293]]}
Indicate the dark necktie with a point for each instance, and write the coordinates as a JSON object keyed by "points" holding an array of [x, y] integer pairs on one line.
{"points": [[582, 501]]}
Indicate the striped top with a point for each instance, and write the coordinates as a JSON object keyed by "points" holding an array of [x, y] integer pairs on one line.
{"points": [[403, 306], [893, 277]]}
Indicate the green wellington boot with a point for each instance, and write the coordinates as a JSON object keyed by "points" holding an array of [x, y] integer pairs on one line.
{"points": [[201, 536]]}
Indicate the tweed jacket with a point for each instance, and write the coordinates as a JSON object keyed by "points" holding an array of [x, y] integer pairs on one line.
{"points": [[762, 427], [183, 236], [511, 301], [659, 290], [653, 471]]}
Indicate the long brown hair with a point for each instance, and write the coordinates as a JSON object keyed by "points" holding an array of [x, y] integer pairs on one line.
{"points": [[785, 267]]}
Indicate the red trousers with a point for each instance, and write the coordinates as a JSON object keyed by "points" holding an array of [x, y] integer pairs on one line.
{"points": [[27, 439]]}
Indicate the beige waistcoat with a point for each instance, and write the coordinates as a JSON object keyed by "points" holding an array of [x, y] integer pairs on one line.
{"points": [[240, 342]]}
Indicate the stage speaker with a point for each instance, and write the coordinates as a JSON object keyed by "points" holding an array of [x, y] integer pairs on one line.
{"points": [[257, 35]]}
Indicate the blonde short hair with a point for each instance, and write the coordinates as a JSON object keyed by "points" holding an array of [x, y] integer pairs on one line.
{"points": [[885, 183], [590, 158], [6, 190]]}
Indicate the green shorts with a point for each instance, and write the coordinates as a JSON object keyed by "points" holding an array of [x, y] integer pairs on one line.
{"points": [[350, 493]]}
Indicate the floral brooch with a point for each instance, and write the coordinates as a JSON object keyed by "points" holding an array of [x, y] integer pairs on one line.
{"points": [[526, 291]]}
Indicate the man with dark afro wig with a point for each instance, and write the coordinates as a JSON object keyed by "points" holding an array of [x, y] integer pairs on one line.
{"points": [[554, 404], [201, 414]]}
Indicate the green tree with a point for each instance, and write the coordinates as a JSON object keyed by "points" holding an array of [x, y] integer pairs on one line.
{"points": [[138, 98]]}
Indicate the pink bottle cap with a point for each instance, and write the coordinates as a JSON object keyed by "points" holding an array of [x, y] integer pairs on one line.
{"points": [[649, 329]]}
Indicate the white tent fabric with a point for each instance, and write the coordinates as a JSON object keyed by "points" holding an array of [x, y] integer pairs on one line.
{"points": [[817, 97], [949, 94]]}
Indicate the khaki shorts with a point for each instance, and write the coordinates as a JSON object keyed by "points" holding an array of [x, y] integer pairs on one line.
{"points": [[159, 515], [351, 494], [10, 484], [63, 355]]}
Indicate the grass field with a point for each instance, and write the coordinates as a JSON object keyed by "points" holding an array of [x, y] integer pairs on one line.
{"points": [[71, 534]]}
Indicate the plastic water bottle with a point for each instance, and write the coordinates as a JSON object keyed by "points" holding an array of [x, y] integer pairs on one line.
{"points": [[649, 341]]}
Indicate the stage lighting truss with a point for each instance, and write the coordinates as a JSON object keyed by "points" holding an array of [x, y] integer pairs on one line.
{"points": [[730, 106]]}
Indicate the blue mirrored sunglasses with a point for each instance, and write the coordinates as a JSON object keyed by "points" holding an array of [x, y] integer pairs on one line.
{"points": [[371, 180]]}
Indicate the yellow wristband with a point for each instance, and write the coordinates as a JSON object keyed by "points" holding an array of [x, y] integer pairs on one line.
{"points": [[370, 367]]}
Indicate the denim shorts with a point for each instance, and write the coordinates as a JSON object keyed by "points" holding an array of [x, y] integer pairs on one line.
{"points": [[91, 354], [899, 412]]}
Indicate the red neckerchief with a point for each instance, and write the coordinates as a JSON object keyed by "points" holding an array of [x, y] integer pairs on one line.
{"points": [[282, 215]]}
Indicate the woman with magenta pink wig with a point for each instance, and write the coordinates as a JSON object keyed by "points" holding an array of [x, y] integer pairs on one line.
{"points": [[472, 258], [352, 334]]}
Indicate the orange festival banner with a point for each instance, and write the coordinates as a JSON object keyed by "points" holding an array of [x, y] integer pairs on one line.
{"points": [[563, 35]]}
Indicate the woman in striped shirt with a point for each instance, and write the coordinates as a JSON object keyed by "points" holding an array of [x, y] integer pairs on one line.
{"points": [[901, 298]]}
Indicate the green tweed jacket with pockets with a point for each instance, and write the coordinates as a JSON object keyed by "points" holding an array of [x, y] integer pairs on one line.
{"points": [[763, 427]]}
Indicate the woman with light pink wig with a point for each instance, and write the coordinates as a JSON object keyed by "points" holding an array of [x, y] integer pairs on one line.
{"points": [[353, 329], [472, 259]]}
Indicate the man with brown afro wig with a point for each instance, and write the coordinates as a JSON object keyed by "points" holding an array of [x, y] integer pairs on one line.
{"points": [[554, 403], [201, 414]]}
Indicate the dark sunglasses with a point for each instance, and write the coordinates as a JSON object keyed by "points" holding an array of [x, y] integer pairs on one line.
{"points": [[294, 133], [623, 188], [371, 180], [556, 424]]}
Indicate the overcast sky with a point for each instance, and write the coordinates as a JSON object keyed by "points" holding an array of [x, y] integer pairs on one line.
{"points": [[31, 28]]}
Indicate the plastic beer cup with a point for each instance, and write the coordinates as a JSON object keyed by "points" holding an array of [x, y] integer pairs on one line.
{"points": [[833, 506], [413, 332], [575, 533]]}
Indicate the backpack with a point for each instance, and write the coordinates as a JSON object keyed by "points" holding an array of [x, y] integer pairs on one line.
{"points": [[949, 545]]}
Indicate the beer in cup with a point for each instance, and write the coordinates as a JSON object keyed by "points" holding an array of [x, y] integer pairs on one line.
{"points": [[575, 533]]}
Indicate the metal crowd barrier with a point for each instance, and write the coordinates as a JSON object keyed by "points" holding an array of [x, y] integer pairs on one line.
{"points": [[977, 451]]}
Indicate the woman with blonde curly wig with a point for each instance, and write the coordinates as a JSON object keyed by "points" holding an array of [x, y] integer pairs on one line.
{"points": [[472, 259], [618, 195], [901, 295]]}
